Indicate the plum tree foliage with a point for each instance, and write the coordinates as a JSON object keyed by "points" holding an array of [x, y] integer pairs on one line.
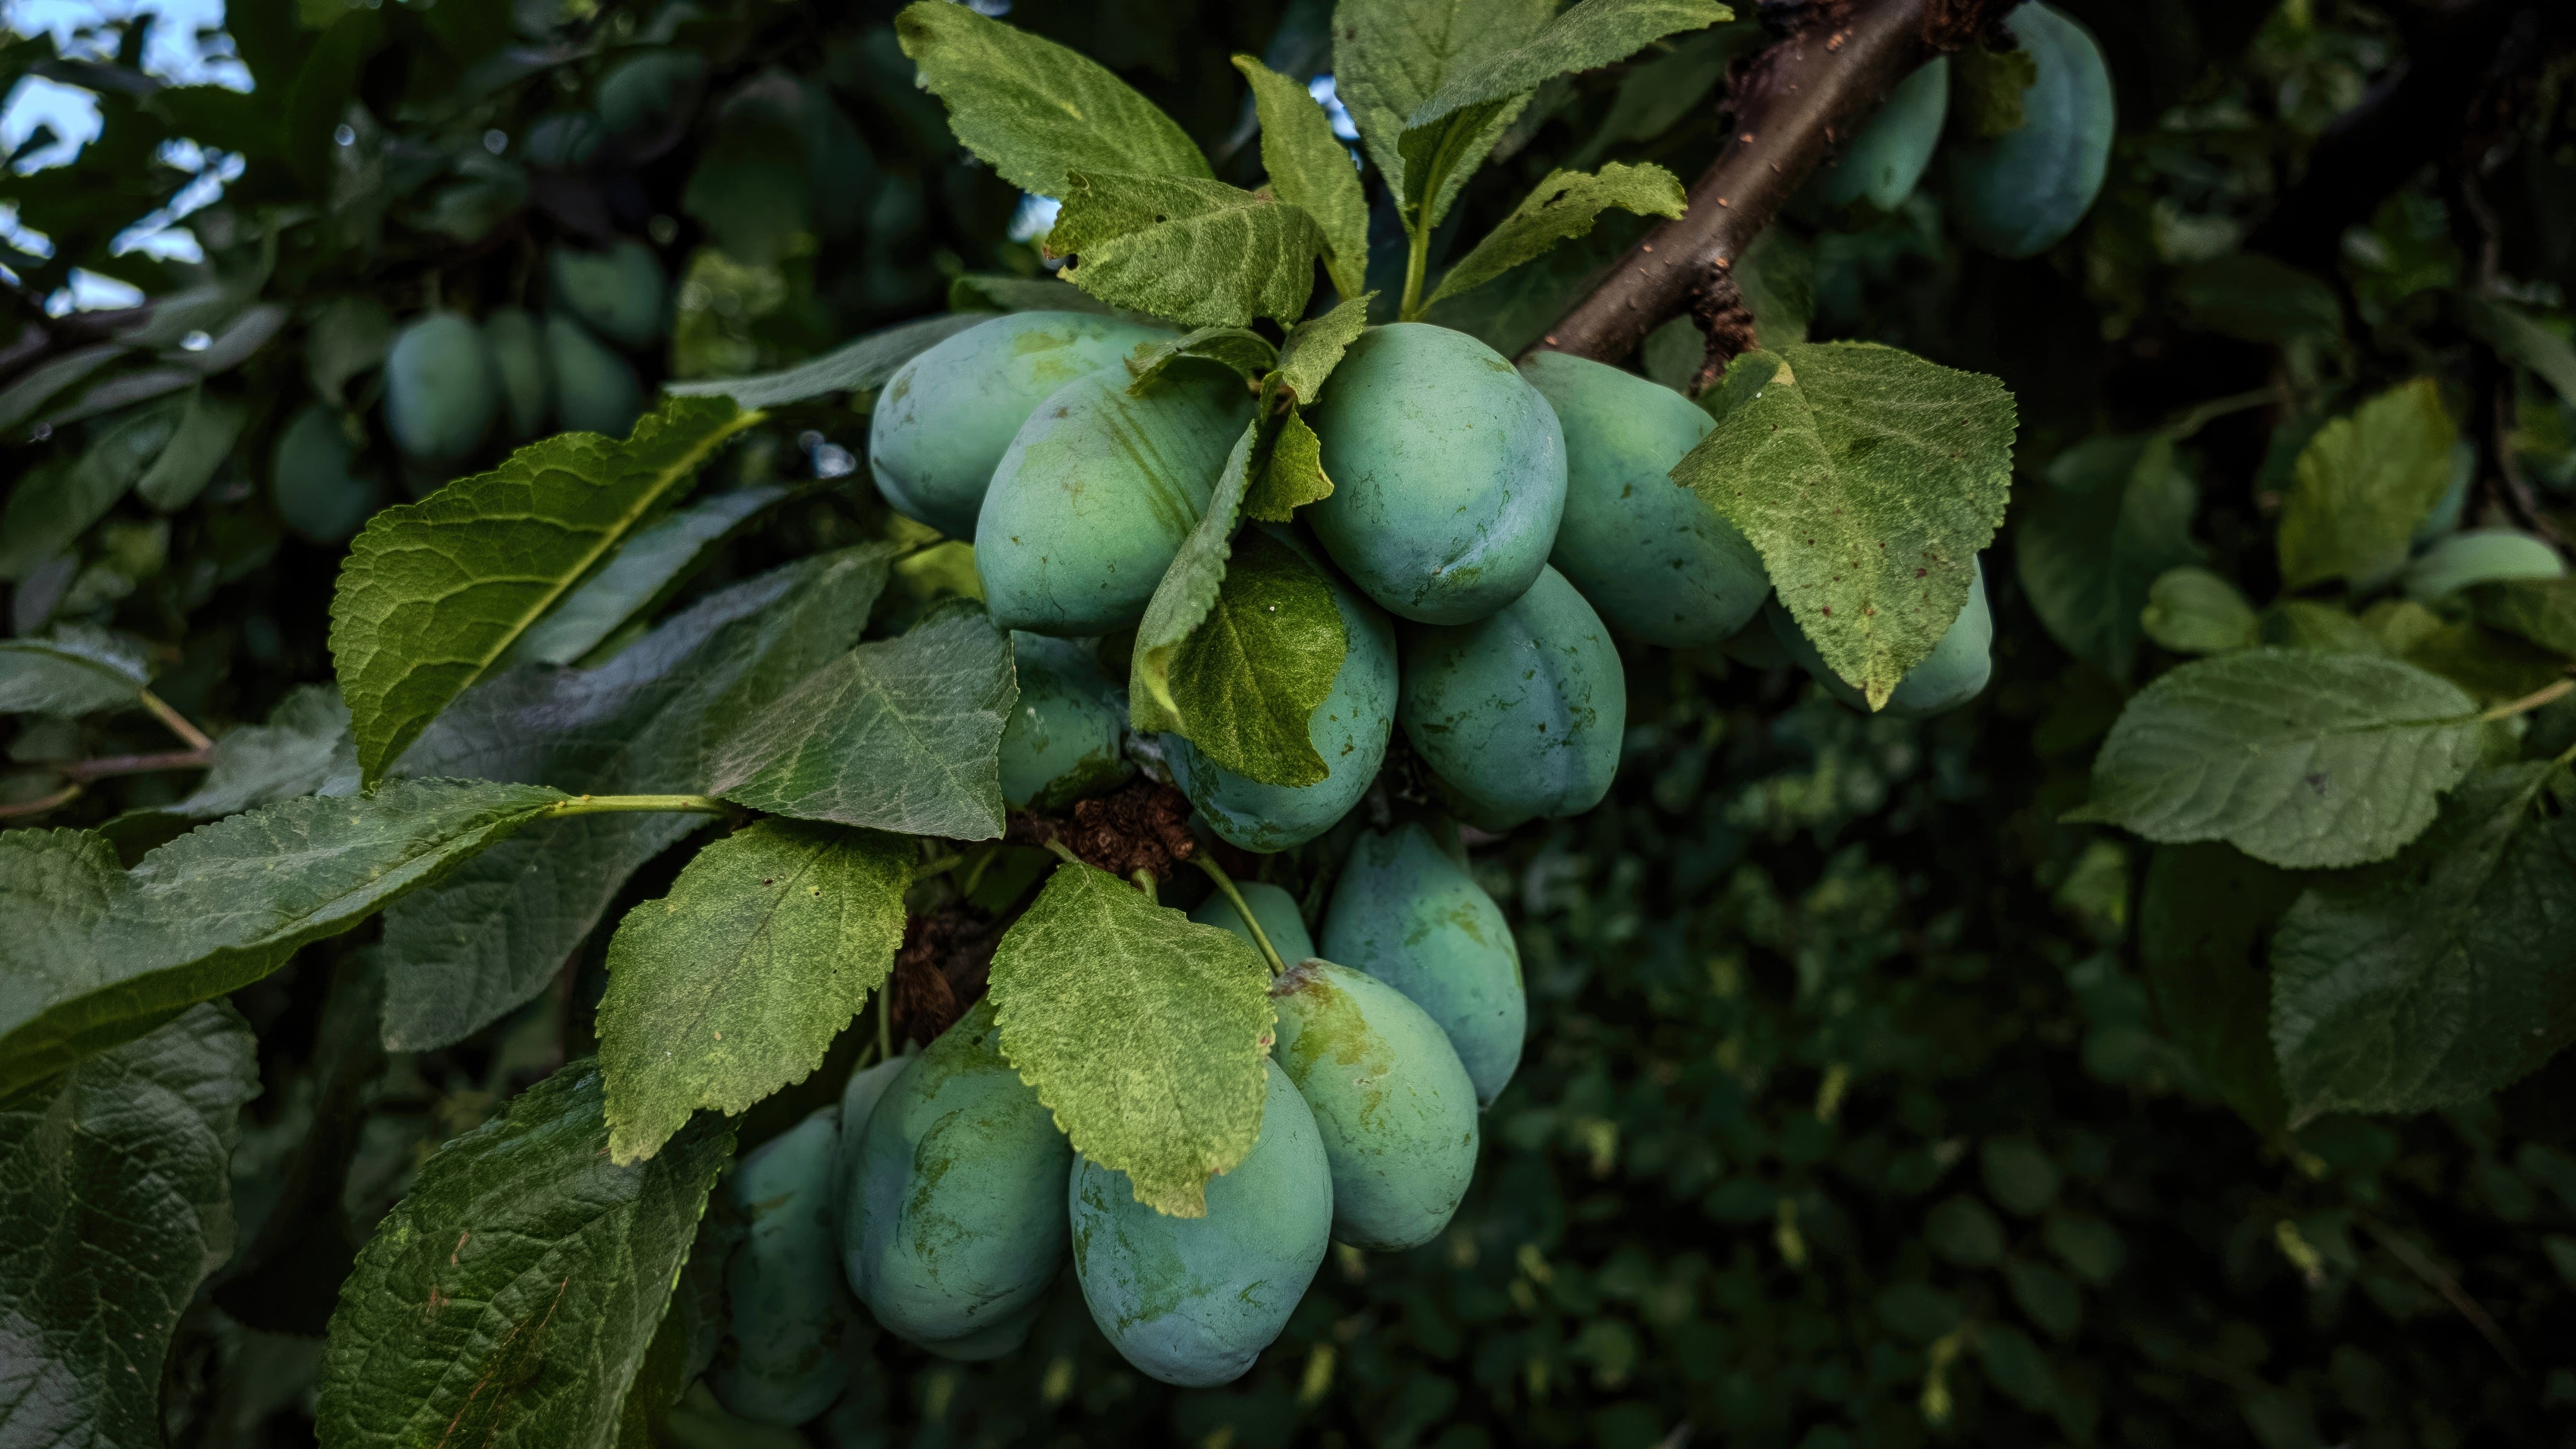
{"points": [[723, 704]]}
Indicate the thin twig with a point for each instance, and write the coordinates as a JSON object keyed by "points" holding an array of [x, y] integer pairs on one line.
{"points": [[106, 765], [2444, 1284], [41, 804], [2545, 694]]}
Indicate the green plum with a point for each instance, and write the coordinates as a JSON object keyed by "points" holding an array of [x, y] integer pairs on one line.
{"points": [[1349, 730], [1274, 908], [954, 1221], [618, 293], [313, 478], [783, 1362], [1655, 560], [440, 391], [1888, 156], [1521, 712], [1193, 1301], [1955, 673], [858, 1100], [1063, 740], [2020, 193], [1409, 915], [1095, 493], [2480, 556], [596, 391], [1448, 474], [1390, 1097], [519, 364], [946, 417]]}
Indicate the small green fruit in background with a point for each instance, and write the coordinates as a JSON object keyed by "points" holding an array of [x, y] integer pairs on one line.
{"points": [[782, 1362], [1397, 1113], [311, 480], [1649, 554], [1349, 730], [1955, 673], [2020, 193], [1274, 908], [618, 293], [2480, 556], [1409, 915], [955, 1219], [1063, 739], [519, 364], [1092, 499], [596, 391], [1888, 156], [1522, 712], [440, 390], [944, 420], [1193, 1301], [1448, 474]]}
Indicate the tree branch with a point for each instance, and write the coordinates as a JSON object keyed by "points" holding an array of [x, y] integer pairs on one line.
{"points": [[1794, 106]]}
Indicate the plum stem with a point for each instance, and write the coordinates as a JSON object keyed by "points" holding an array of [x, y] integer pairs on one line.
{"points": [[1260, 937]]}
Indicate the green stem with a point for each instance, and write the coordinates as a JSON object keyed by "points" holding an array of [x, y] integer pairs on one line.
{"points": [[2529, 702], [1260, 937], [1417, 260], [637, 805], [178, 724], [1143, 880], [885, 1023]]}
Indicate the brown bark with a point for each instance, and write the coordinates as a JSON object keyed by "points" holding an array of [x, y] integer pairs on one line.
{"points": [[1794, 107]]}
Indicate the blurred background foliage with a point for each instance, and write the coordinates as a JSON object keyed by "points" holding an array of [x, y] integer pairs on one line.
{"points": [[1865, 1105]]}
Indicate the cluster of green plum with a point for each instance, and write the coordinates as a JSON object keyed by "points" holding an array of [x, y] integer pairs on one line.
{"points": [[2014, 191], [941, 1193], [451, 384]]}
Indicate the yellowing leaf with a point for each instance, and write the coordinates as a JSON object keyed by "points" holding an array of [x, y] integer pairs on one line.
{"points": [[2364, 482]]}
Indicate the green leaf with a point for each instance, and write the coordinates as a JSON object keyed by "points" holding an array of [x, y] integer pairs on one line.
{"points": [[1143, 1031], [2016, 1366], [861, 366], [203, 439], [79, 669], [489, 937], [1311, 170], [510, 1298], [1390, 56], [304, 749], [1987, 87], [96, 955], [1188, 591], [2203, 920], [2443, 975], [435, 593], [1199, 252], [1291, 477], [903, 734], [2090, 546], [735, 983], [654, 563], [2540, 610], [53, 506], [1246, 682], [117, 1201], [1448, 134], [1035, 111], [2305, 760], [1588, 36], [1510, 314], [2045, 1296], [2259, 299], [1315, 347], [1240, 350], [2518, 338], [992, 292], [1868, 479], [1563, 206], [2363, 483], [2191, 610]]}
